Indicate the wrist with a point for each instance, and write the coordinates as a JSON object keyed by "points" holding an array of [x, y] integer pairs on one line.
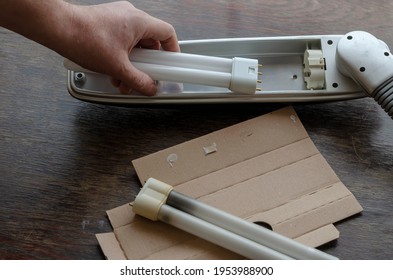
{"points": [[58, 33]]}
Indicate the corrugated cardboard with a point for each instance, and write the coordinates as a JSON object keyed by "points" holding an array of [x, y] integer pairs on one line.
{"points": [[265, 170]]}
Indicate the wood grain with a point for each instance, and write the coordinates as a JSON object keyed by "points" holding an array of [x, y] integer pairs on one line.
{"points": [[64, 162]]}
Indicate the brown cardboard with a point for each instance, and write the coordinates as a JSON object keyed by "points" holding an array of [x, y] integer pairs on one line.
{"points": [[264, 170], [111, 247]]}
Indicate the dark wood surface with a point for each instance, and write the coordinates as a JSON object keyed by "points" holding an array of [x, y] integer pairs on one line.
{"points": [[64, 162]]}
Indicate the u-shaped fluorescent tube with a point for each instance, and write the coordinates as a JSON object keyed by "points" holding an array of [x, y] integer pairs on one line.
{"points": [[238, 74], [158, 201]]}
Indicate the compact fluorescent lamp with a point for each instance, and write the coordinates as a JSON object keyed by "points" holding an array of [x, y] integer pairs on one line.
{"points": [[295, 69]]}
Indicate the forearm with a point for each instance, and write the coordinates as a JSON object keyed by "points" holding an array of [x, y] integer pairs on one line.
{"points": [[40, 20], [98, 37]]}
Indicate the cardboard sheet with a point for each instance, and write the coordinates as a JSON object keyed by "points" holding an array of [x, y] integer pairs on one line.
{"points": [[265, 170]]}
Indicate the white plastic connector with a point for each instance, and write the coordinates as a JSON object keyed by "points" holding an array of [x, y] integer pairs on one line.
{"points": [[150, 199], [244, 75], [314, 69]]}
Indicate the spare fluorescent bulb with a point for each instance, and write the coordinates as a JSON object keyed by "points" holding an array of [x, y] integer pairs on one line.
{"points": [[238, 74], [158, 201]]}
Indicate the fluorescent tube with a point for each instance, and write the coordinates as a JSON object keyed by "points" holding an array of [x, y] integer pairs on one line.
{"points": [[238, 74]]}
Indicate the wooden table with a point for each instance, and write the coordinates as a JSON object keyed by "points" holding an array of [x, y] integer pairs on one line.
{"points": [[64, 162]]}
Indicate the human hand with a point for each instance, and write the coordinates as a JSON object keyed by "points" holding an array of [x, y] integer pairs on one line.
{"points": [[105, 34]]}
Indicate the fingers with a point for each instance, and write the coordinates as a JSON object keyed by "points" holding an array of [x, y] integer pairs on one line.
{"points": [[133, 80], [153, 34], [162, 32], [149, 44], [171, 44]]}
